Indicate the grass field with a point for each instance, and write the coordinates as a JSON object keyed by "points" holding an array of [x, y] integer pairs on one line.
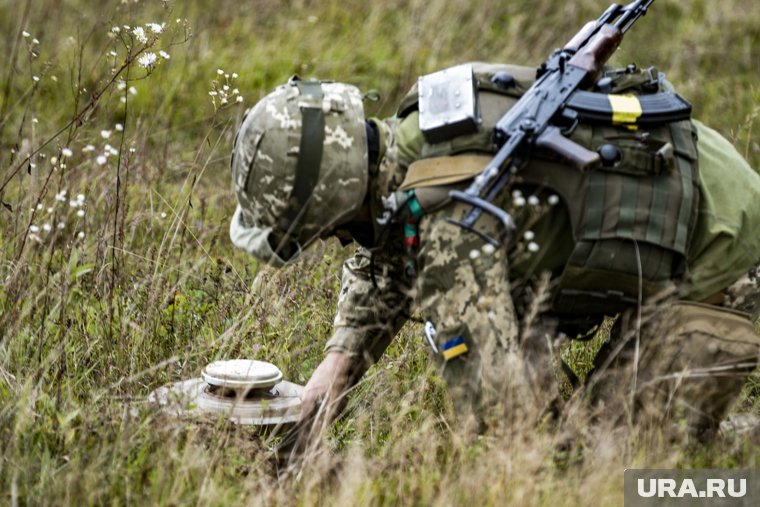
{"points": [[118, 274]]}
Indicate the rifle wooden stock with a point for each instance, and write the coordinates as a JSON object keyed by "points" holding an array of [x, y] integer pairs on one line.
{"points": [[593, 55]]}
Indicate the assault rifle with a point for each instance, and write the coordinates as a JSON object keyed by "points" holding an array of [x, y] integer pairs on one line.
{"points": [[556, 98]]}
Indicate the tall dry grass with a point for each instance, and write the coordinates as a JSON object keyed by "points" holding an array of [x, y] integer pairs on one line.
{"points": [[135, 284]]}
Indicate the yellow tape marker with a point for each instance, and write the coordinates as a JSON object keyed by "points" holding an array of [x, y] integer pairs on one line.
{"points": [[626, 109]]}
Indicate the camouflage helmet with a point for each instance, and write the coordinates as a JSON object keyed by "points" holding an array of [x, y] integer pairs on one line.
{"points": [[299, 168]]}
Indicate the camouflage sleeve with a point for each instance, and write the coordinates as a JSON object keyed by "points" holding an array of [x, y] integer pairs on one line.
{"points": [[463, 289], [367, 318]]}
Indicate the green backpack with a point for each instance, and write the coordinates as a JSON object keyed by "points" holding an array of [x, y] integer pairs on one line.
{"points": [[631, 218]]}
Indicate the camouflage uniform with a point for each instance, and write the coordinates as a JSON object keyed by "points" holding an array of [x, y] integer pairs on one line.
{"points": [[469, 291], [464, 289]]}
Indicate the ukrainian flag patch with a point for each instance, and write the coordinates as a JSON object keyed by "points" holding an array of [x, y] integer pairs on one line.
{"points": [[454, 348]]}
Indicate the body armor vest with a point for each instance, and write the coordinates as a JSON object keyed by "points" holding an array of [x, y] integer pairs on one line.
{"points": [[631, 217]]}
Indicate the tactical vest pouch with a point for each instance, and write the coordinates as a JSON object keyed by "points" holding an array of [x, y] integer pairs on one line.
{"points": [[633, 220], [472, 136], [448, 104]]}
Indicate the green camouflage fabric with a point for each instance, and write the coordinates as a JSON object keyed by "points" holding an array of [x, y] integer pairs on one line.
{"points": [[725, 243], [492, 299], [264, 159], [459, 294], [466, 289], [368, 318], [691, 364], [463, 288]]}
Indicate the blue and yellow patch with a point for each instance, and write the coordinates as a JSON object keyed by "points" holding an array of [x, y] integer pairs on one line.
{"points": [[453, 348]]}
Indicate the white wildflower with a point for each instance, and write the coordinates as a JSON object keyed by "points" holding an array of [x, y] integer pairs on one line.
{"points": [[47, 227], [35, 120], [533, 247], [115, 29], [519, 201], [529, 235], [240, 98], [105, 134], [121, 85], [101, 160], [80, 235], [113, 53], [488, 249], [132, 90], [119, 127], [533, 200], [54, 160], [474, 254], [132, 150], [54, 79], [113, 151], [220, 72], [66, 152], [553, 199], [147, 60], [155, 27], [26, 34], [80, 198], [235, 91], [139, 34], [80, 213], [234, 75], [36, 79], [39, 206], [61, 225], [163, 54], [35, 41], [88, 148], [50, 210], [73, 204], [213, 93], [34, 228], [163, 214]]}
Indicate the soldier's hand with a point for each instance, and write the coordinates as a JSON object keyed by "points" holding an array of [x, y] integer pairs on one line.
{"points": [[328, 384]]}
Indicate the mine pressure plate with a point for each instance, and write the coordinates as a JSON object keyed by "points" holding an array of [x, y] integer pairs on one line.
{"points": [[246, 391]]}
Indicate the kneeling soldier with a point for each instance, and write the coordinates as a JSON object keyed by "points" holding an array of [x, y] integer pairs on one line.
{"points": [[668, 217]]}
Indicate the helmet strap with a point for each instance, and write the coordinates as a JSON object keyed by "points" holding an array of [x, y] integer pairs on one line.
{"points": [[309, 160]]}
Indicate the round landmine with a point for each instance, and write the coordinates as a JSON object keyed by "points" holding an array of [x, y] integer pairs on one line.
{"points": [[242, 374], [246, 391]]}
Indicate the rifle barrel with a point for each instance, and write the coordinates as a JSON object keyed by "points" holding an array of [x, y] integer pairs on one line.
{"points": [[632, 12]]}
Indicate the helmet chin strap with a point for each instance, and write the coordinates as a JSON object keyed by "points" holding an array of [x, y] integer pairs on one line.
{"points": [[307, 167]]}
